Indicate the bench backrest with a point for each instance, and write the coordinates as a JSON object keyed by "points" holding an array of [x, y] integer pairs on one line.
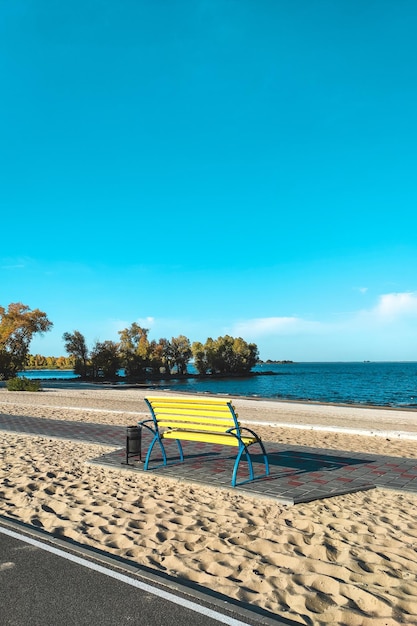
{"points": [[201, 414]]}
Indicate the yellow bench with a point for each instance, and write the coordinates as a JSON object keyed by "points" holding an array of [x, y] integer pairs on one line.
{"points": [[200, 419]]}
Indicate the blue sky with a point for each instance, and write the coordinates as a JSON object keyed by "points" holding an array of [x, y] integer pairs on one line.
{"points": [[213, 167]]}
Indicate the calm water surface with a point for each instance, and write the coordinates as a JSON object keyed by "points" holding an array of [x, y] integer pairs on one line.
{"points": [[380, 384]]}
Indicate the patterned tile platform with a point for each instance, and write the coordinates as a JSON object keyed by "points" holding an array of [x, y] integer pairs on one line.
{"points": [[298, 473]]}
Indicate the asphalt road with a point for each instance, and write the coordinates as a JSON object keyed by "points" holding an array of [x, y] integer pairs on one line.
{"points": [[44, 583]]}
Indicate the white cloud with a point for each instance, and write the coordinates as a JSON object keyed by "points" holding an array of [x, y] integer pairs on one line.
{"points": [[392, 309], [262, 326], [144, 322], [395, 305], [386, 331]]}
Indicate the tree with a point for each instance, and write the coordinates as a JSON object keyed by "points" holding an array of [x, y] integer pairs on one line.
{"points": [[160, 356], [200, 357], [76, 347], [36, 360], [207, 357], [225, 355], [181, 353], [246, 355], [135, 350], [18, 324], [105, 359]]}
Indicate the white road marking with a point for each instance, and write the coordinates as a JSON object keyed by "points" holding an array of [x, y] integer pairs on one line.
{"points": [[193, 606]]}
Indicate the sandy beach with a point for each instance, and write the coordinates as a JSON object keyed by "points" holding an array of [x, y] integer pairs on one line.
{"points": [[347, 560]]}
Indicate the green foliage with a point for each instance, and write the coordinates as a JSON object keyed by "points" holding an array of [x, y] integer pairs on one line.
{"points": [[135, 350], [200, 355], [180, 353], [139, 357], [37, 361], [76, 347], [160, 356], [23, 384], [18, 324], [225, 355], [105, 360]]}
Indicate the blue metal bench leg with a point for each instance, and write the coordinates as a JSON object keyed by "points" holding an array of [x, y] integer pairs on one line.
{"points": [[265, 458], [250, 464], [242, 449], [148, 456], [180, 449]]}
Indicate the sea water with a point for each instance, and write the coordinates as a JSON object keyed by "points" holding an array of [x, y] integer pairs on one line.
{"points": [[378, 384], [48, 374]]}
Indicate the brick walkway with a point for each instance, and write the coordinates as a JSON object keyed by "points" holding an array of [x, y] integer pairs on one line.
{"points": [[298, 473]]}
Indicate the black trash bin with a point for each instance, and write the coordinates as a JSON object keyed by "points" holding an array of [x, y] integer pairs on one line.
{"points": [[133, 442]]}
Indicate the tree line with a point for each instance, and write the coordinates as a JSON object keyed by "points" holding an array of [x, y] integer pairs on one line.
{"points": [[141, 357], [134, 352]]}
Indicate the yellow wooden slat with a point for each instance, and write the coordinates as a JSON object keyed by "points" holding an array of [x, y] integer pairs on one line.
{"points": [[226, 440], [188, 400], [194, 405], [190, 419], [219, 408], [193, 426], [185, 411]]}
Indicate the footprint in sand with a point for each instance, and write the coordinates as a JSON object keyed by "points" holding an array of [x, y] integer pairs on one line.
{"points": [[35, 521], [132, 498], [380, 579], [148, 543], [57, 507], [184, 521], [105, 510], [47, 509], [174, 564], [19, 501], [118, 541], [218, 568], [163, 535], [321, 584], [137, 524], [134, 553], [365, 601], [238, 540], [319, 602], [409, 588], [298, 540], [407, 607], [94, 533], [218, 545], [30, 487]]}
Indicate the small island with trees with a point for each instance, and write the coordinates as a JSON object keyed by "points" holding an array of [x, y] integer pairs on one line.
{"points": [[139, 357]]}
